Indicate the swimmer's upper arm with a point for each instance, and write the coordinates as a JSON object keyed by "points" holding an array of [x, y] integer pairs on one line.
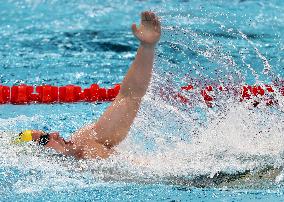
{"points": [[113, 126]]}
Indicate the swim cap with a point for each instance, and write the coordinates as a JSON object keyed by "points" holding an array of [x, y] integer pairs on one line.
{"points": [[24, 136]]}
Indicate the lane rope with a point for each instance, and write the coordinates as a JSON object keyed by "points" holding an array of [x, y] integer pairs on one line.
{"points": [[48, 94]]}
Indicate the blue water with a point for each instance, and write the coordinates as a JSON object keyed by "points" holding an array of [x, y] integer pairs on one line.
{"points": [[84, 42]]}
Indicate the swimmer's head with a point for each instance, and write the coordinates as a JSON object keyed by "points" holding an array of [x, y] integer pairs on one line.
{"points": [[27, 136], [49, 140]]}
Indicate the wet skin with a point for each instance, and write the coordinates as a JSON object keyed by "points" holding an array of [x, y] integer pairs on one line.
{"points": [[69, 148]]}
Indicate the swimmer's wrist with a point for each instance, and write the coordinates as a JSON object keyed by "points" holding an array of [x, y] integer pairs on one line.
{"points": [[147, 45]]}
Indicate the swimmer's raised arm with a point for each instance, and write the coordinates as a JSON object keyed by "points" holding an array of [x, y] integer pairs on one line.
{"points": [[137, 79], [99, 138], [113, 126]]}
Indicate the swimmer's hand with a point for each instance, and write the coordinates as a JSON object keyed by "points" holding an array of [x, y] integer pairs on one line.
{"points": [[149, 31]]}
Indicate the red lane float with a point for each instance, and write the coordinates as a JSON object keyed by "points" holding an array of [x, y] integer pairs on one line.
{"points": [[47, 94], [4, 94], [70, 93], [92, 94], [112, 92], [21, 94], [247, 93]]}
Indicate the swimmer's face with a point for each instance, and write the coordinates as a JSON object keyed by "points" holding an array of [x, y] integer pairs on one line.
{"points": [[55, 142]]}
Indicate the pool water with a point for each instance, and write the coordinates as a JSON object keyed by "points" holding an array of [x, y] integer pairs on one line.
{"points": [[174, 152]]}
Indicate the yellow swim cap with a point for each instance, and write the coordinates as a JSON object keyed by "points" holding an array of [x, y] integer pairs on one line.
{"points": [[24, 136]]}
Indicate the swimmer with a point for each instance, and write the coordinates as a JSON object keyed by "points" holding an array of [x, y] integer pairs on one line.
{"points": [[98, 139]]}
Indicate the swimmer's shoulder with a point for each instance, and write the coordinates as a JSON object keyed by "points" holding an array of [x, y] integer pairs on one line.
{"points": [[91, 149]]}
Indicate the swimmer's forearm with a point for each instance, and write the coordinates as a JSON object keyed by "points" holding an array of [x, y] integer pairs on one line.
{"points": [[138, 77]]}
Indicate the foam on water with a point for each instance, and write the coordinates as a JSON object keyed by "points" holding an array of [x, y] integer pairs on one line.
{"points": [[240, 140], [157, 150]]}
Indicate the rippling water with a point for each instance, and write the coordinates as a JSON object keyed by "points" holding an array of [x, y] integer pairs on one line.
{"points": [[233, 150]]}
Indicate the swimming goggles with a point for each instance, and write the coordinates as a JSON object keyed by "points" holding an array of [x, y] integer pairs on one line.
{"points": [[44, 139]]}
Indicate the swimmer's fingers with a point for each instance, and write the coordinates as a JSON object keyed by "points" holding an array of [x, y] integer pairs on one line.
{"points": [[147, 18], [134, 29], [149, 30], [157, 24], [152, 16], [143, 16]]}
